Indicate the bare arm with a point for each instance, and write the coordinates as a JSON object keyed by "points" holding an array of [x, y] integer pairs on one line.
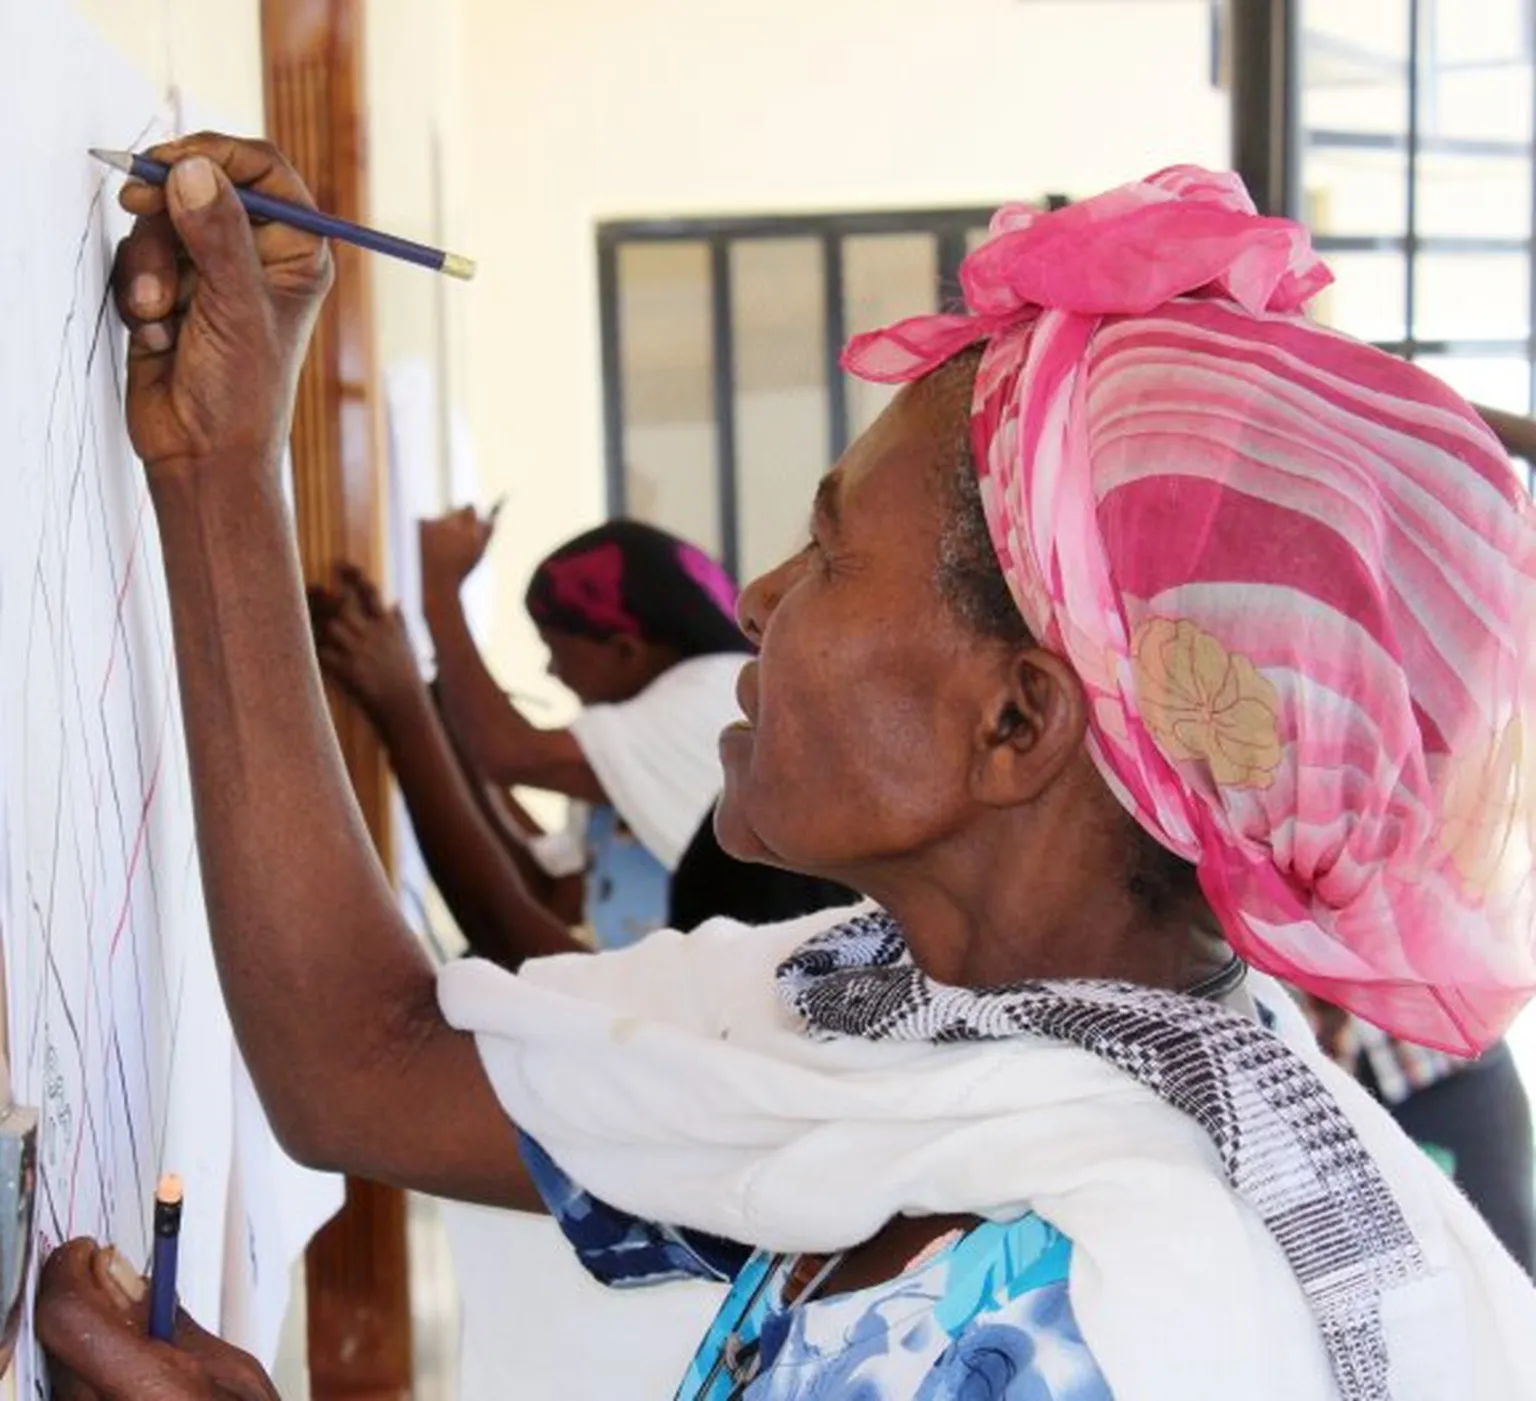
{"points": [[1517, 434], [477, 877], [331, 998], [496, 739], [364, 646], [515, 829]]}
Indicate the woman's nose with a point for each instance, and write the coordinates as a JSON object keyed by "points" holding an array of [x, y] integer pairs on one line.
{"points": [[758, 600]]}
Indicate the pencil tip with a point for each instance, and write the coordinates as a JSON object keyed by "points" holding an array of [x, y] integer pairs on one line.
{"points": [[121, 160], [457, 265]]}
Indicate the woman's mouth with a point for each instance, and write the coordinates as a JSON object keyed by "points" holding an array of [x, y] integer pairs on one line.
{"points": [[746, 696]]}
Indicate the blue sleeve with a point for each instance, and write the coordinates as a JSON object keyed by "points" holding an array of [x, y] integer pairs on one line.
{"points": [[621, 1250]]}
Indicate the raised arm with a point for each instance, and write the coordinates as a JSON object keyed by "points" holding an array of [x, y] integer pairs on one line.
{"points": [[564, 895], [329, 993], [495, 737], [364, 647]]}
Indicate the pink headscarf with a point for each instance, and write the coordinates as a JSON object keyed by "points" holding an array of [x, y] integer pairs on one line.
{"points": [[1294, 574]]}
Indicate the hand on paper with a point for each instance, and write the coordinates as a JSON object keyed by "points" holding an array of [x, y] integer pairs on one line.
{"points": [[363, 646], [451, 547], [219, 311], [90, 1320]]}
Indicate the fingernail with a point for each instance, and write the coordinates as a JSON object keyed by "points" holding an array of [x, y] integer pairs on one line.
{"points": [[144, 292], [196, 183], [154, 337], [128, 1279]]}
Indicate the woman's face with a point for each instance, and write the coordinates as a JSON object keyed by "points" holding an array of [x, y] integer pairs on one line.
{"points": [[596, 671], [865, 707]]}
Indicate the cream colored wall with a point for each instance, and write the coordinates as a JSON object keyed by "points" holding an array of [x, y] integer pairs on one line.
{"points": [[419, 159], [209, 48], [593, 109]]}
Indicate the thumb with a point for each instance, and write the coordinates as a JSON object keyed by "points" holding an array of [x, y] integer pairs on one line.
{"points": [[216, 232]]}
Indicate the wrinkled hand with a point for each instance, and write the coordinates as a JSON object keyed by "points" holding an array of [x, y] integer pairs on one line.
{"points": [[219, 312], [91, 1318], [363, 646], [452, 545]]}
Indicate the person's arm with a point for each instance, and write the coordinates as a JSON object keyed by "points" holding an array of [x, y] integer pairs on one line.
{"points": [[563, 895], [331, 998], [497, 739], [364, 647], [1517, 434]]}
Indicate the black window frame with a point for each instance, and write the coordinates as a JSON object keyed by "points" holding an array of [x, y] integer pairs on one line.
{"points": [[1257, 44], [1266, 52], [949, 226]]}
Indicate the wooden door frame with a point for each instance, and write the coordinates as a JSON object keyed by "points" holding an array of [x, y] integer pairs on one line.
{"points": [[313, 67]]}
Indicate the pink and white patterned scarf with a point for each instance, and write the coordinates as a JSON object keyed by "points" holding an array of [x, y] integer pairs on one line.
{"points": [[1294, 574]]}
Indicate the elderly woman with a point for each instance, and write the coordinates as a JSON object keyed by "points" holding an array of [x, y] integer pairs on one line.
{"points": [[1152, 636]]}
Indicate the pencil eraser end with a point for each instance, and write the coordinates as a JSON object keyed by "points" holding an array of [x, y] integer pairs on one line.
{"points": [[457, 265], [169, 1190]]}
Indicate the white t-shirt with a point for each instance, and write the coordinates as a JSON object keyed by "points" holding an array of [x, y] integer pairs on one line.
{"points": [[657, 757]]}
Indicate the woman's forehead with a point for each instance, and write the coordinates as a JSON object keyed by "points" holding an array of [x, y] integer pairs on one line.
{"points": [[892, 470]]}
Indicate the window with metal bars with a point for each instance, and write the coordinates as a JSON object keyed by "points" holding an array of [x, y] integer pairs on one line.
{"points": [[723, 396], [1415, 125], [1404, 136]]}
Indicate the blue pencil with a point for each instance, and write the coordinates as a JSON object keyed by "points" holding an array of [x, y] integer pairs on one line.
{"points": [[162, 1269], [280, 211]]}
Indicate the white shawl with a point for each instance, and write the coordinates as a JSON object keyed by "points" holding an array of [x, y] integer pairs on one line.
{"points": [[657, 756], [669, 1080]]}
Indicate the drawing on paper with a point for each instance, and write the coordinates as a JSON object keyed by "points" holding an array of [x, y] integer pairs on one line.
{"points": [[117, 1029]]}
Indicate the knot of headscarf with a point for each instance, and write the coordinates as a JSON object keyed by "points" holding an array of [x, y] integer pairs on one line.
{"points": [[1297, 579]]}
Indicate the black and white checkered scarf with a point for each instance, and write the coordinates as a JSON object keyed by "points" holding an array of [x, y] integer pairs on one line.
{"points": [[1285, 1145]]}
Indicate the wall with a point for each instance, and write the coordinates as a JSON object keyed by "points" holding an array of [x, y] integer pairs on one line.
{"points": [[595, 109], [419, 159], [210, 48]]}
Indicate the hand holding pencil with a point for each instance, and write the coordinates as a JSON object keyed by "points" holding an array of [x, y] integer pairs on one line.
{"points": [[219, 311], [297, 215], [91, 1320]]}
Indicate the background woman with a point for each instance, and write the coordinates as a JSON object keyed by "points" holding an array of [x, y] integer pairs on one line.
{"points": [[657, 747]]}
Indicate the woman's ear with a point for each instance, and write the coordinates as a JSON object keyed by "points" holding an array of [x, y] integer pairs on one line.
{"points": [[1032, 728]]}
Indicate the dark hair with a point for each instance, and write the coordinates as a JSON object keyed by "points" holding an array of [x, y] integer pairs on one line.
{"points": [[971, 582], [626, 578]]}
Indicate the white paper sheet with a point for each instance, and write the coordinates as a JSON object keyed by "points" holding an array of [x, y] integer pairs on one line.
{"points": [[412, 411], [118, 1032]]}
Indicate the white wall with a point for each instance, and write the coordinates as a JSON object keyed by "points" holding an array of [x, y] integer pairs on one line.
{"points": [[418, 164], [211, 48], [594, 109]]}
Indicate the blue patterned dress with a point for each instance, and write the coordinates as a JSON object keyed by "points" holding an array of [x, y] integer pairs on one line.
{"points": [[987, 1318]]}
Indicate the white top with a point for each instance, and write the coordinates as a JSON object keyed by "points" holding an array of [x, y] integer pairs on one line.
{"points": [[658, 755], [563, 852]]}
